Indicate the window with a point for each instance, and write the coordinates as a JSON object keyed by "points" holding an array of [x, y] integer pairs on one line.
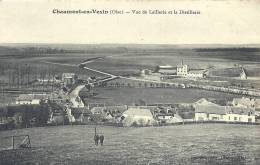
{"points": [[228, 117], [235, 118], [249, 120], [215, 118]]}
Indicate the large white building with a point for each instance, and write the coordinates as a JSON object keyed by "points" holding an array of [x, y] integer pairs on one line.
{"points": [[182, 70], [31, 98], [214, 112], [196, 73], [185, 71]]}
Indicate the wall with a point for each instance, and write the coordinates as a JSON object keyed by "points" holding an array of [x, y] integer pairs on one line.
{"points": [[34, 101], [240, 118]]}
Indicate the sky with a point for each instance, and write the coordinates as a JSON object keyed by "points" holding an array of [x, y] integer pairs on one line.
{"points": [[220, 22]]}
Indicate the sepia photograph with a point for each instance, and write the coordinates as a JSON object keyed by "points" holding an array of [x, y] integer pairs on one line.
{"points": [[129, 82]]}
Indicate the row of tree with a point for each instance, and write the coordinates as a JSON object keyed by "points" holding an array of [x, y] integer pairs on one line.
{"points": [[21, 116]]}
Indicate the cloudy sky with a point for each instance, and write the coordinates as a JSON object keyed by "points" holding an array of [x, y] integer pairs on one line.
{"points": [[220, 22]]}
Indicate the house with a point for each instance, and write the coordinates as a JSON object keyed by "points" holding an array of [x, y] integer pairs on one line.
{"points": [[102, 113], [247, 102], [145, 72], [98, 110], [213, 112], [244, 102], [209, 113], [137, 116], [240, 114], [199, 73], [169, 118], [31, 98], [69, 78]]}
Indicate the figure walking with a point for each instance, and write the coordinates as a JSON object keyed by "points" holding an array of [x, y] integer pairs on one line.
{"points": [[101, 139], [96, 139]]}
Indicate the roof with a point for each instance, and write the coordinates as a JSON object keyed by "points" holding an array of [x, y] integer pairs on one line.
{"points": [[211, 109], [97, 110], [204, 101], [221, 110], [257, 103], [180, 66], [28, 97], [171, 70], [244, 100], [79, 110], [138, 112], [68, 75], [240, 110], [247, 102], [117, 108], [197, 71], [166, 67]]}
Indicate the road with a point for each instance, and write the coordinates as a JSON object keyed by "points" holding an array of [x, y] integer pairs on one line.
{"points": [[74, 97], [101, 72]]}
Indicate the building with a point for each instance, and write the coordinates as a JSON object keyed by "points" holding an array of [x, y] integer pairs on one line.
{"points": [[243, 75], [239, 114], [214, 112], [98, 110], [196, 73], [137, 116], [169, 118], [69, 78], [185, 71], [166, 70], [182, 70], [145, 72], [209, 113], [31, 98], [244, 102]]}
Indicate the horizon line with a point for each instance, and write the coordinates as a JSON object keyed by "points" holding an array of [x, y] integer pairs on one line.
{"points": [[70, 43]]}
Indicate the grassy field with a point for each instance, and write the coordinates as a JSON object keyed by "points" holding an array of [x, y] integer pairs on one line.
{"points": [[122, 59], [184, 144], [154, 95]]}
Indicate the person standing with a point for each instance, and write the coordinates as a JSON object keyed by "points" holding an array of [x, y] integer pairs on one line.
{"points": [[96, 139], [101, 139]]}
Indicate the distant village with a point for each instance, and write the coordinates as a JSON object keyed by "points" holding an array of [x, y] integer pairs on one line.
{"points": [[65, 106]]}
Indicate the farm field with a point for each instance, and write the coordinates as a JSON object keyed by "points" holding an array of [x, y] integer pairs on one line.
{"points": [[183, 144], [154, 95], [124, 59]]}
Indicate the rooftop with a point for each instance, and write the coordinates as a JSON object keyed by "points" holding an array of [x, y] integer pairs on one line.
{"points": [[211, 109], [240, 110], [181, 65], [68, 75], [138, 112], [197, 71], [28, 97]]}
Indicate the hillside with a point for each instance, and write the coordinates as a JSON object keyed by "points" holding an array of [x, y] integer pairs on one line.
{"points": [[184, 144]]}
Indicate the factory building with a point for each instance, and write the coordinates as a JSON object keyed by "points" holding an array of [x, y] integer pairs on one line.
{"points": [[185, 71]]}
